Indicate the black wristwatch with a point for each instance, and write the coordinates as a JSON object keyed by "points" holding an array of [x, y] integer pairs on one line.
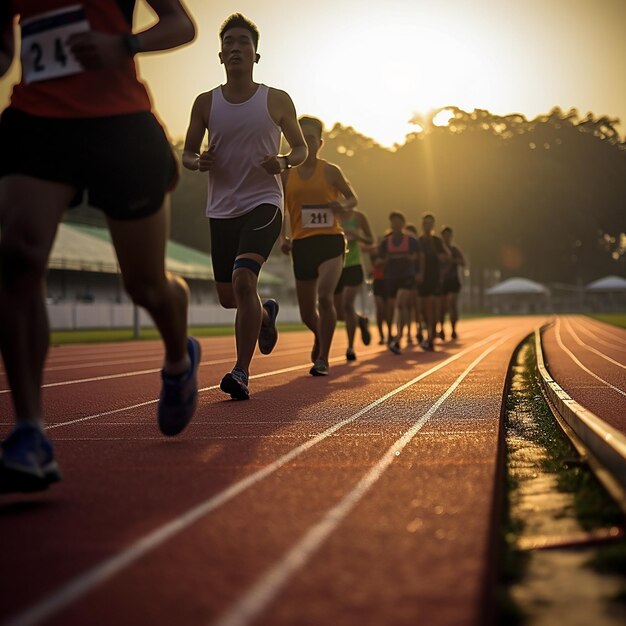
{"points": [[287, 164], [132, 44]]}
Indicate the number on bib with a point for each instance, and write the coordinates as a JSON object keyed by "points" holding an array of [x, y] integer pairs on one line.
{"points": [[317, 216], [44, 53]]}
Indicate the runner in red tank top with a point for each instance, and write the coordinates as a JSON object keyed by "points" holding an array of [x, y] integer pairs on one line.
{"points": [[80, 121]]}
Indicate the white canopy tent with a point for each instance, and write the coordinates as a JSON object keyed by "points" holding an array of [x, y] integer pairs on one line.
{"points": [[608, 283], [517, 286]]}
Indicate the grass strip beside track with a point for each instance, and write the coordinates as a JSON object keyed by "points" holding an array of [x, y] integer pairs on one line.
{"points": [[617, 319], [530, 425]]}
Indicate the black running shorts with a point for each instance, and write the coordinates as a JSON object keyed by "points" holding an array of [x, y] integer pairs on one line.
{"points": [[350, 277], [124, 162], [393, 285], [309, 253], [429, 288], [379, 288], [252, 233], [450, 285]]}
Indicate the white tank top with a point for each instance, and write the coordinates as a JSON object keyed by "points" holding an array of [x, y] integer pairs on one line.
{"points": [[243, 135]]}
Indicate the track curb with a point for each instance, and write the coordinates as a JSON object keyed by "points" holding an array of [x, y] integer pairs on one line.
{"points": [[601, 445]]}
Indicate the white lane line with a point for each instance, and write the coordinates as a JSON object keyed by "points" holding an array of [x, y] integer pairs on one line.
{"points": [[284, 370], [559, 341], [604, 330], [78, 381], [580, 326], [83, 583], [253, 602], [87, 360], [580, 342]]}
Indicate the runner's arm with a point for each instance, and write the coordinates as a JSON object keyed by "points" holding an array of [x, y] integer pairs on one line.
{"points": [[337, 179], [367, 237], [444, 252], [283, 112], [460, 260], [195, 132], [99, 50], [174, 28], [285, 240], [421, 264], [7, 38]]}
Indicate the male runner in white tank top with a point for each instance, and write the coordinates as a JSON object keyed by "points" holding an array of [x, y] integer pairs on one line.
{"points": [[244, 121]]}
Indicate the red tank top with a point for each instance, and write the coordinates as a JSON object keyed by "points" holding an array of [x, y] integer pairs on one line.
{"points": [[53, 84], [401, 249]]}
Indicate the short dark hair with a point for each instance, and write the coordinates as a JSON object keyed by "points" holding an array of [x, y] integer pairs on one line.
{"points": [[238, 20], [397, 214], [411, 227], [446, 229], [313, 121], [426, 215]]}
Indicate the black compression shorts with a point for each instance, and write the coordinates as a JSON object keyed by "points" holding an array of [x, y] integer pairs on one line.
{"points": [[309, 253], [393, 285], [252, 233], [124, 162], [350, 277]]}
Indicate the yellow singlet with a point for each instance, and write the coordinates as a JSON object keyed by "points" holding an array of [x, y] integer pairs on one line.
{"points": [[307, 204]]}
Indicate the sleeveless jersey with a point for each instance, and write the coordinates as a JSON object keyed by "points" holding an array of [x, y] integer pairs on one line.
{"points": [[353, 254], [243, 135], [395, 251], [307, 204], [53, 83]]}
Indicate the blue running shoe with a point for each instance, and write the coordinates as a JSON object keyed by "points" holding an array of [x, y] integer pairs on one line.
{"points": [[268, 336], [27, 462], [236, 384], [179, 395]]}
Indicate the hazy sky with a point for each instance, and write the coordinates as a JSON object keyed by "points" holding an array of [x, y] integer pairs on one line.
{"points": [[372, 65]]}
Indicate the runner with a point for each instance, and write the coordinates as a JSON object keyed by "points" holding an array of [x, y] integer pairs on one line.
{"points": [[315, 194], [380, 293], [435, 254], [414, 304], [451, 284], [244, 121], [401, 253], [357, 231], [80, 120]]}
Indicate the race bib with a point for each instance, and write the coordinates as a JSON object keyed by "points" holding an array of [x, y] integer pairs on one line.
{"points": [[45, 54], [317, 216]]}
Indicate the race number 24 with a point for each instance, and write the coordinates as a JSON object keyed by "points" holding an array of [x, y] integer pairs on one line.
{"points": [[44, 53]]}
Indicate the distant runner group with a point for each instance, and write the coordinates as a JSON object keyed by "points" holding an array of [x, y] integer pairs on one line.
{"points": [[79, 96]]}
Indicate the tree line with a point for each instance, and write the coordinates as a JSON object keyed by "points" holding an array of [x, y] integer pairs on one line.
{"points": [[543, 198]]}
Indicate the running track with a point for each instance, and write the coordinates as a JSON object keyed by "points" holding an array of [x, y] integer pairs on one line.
{"points": [[587, 358], [363, 498]]}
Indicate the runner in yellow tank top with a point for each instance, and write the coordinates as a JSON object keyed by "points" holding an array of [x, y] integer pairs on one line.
{"points": [[316, 195]]}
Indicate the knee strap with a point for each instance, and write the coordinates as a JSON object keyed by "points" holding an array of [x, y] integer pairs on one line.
{"points": [[249, 264]]}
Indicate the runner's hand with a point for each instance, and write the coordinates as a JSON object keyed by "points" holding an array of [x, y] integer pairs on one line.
{"points": [[95, 50], [207, 160], [271, 165], [285, 246], [335, 206]]}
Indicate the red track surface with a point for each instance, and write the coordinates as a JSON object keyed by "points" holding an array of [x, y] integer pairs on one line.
{"points": [[587, 358], [356, 525]]}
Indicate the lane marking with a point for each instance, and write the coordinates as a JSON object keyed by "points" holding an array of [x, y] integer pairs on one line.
{"points": [[93, 379], [587, 332], [139, 405], [557, 332], [580, 342], [253, 602], [602, 328], [98, 574]]}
